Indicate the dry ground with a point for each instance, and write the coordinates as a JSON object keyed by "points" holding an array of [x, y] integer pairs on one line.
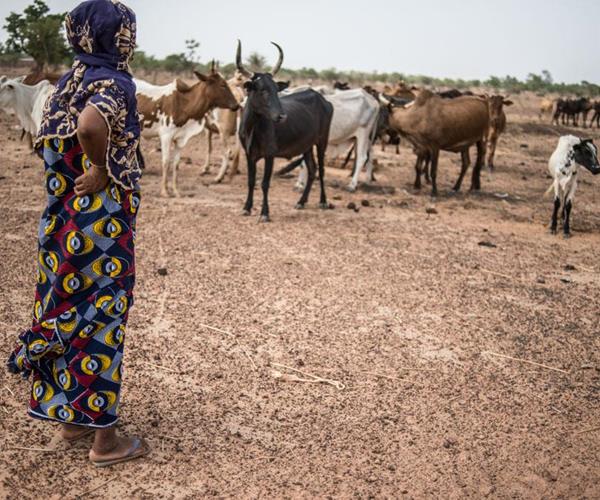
{"points": [[397, 304]]}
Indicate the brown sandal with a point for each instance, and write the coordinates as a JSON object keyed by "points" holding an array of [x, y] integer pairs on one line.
{"points": [[138, 449]]}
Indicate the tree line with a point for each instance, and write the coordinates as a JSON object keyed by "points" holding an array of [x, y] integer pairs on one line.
{"points": [[39, 34]]}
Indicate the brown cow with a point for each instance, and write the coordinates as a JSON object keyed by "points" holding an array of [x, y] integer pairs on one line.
{"points": [[433, 124], [176, 112], [225, 123], [496, 104]]}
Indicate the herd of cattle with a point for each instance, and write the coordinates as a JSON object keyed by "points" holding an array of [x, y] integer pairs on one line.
{"points": [[268, 119]]}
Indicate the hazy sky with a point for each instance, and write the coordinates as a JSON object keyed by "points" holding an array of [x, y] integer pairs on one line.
{"points": [[460, 38]]}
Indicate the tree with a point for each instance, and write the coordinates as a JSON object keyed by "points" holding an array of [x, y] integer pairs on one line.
{"points": [[37, 33], [256, 62]]}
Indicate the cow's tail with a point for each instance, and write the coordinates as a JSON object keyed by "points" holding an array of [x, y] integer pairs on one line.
{"points": [[289, 167], [549, 190]]}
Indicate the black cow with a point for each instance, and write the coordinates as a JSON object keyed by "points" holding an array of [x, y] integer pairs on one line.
{"points": [[596, 115], [453, 93], [286, 127], [341, 85], [572, 108]]}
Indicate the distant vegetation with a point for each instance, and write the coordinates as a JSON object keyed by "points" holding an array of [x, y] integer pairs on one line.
{"points": [[40, 35]]}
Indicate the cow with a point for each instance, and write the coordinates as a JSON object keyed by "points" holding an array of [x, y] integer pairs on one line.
{"points": [[354, 125], [496, 105], [337, 85], [572, 108], [401, 90], [176, 112], [570, 154], [596, 115], [225, 123], [281, 127], [36, 77], [546, 107], [432, 124], [26, 101]]}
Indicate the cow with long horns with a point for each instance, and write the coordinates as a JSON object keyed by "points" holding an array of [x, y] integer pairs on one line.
{"points": [[282, 127]]}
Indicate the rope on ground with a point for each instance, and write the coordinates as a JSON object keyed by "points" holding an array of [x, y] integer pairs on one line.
{"points": [[312, 379], [489, 353]]}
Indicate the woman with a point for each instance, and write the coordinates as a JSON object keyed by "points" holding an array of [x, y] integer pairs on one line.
{"points": [[89, 140]]}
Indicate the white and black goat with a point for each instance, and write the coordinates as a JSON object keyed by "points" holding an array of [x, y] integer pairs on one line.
{"points": [[570, 154]]}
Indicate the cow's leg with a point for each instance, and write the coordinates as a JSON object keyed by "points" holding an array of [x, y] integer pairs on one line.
{"points": [[165, 149], [476, 177], [235, 161], [309, 161], [554, 221], [321, 159], [176, 159], [567, 218], [418, 166], [465, 160], [362, 144], [266, 182], [206, 168], [568, 204], [251, 184], [427, 167], [301, 180], [434, 164], [491, 153], [225, 161]]}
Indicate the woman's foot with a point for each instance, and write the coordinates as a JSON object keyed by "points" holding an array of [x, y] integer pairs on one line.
{"points": [[72, 433], [111, 449]]}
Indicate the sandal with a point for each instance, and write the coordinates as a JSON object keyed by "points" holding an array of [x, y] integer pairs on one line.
{"points": [[139, 448]]}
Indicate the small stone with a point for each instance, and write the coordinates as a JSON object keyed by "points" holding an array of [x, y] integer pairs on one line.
{"points": [[524, 146], [337, 197], [162, 271], [351, 206], [570, 267], [487, 244], [540, 280], [566, 280], [431, 210], [365, 203]]}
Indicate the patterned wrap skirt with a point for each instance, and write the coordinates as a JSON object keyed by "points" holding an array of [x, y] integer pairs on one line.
{"points": [[86, 274]]}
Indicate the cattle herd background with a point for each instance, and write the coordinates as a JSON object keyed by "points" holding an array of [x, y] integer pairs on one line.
{"points": [[396, 337]]}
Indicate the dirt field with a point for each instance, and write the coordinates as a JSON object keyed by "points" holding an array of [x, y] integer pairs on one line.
{"points": [[401, 306]]}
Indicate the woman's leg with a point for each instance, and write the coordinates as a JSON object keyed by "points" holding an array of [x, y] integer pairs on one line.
{"points": [[109, 446]]}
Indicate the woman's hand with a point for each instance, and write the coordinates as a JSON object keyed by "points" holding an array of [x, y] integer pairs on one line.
{"points": [[94, 180]]}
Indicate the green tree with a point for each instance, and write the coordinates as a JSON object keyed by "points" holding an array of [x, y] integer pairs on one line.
{"points": [[37, 33]]}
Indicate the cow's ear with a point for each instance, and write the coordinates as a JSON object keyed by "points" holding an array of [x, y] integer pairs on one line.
{"points": [[200, 76], [507, 102], [282, 86], [249, 85]]}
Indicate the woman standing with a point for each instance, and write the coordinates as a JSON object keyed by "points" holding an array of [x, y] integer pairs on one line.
{"points": [[89, 140]]}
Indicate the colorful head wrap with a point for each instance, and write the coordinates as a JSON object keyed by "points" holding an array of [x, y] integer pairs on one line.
{"points": [[102, 34]]}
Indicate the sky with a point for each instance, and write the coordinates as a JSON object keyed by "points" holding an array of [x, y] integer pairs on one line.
{"points": [[470, 39]]}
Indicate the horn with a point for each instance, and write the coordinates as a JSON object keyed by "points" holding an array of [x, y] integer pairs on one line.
{"points": [[277, 66], [383, 100], [212, 66], [238, 62]]}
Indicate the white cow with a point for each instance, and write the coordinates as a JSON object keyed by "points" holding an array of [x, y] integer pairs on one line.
{"points": [[355, 114], [570, 154], [176, 112], [26, 101]]}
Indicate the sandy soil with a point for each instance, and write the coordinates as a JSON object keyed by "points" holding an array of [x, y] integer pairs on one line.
{"points": [[399, 305]]}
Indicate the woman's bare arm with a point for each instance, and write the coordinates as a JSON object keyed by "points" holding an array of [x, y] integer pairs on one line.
{"points": [[92, 133]]}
